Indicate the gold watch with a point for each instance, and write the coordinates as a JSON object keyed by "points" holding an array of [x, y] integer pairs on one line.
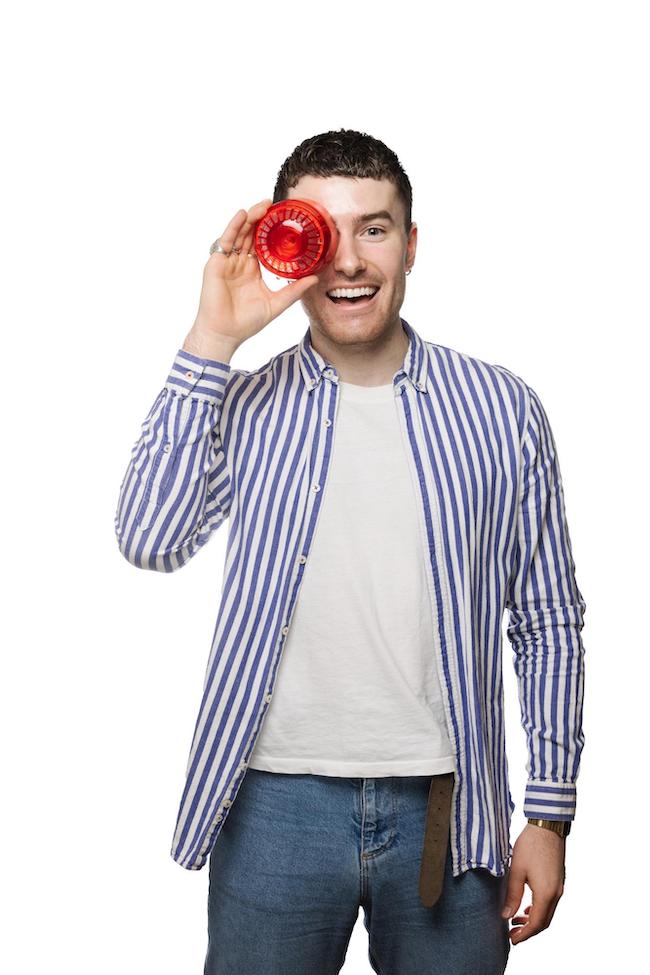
{"points": [[560, 826]]}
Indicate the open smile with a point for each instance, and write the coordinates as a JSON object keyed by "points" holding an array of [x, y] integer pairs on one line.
{"points": [[350, 304]]}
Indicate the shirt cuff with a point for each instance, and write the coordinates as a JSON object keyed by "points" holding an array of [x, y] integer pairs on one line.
{"points": [[550, 800], [200, 378]]}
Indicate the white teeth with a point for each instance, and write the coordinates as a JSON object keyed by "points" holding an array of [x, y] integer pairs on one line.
{"points": [[351, 292]]}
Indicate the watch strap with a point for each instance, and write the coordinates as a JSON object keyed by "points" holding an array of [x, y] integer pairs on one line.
{"points": [[560, 826]]}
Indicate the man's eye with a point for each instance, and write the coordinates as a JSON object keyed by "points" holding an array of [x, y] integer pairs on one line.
{"points": [[380, 229]]}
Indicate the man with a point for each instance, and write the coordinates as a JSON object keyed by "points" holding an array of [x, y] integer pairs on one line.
{"points": [[388, 500]]}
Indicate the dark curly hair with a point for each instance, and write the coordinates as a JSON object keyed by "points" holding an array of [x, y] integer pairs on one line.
{"points": [[345, 153]]}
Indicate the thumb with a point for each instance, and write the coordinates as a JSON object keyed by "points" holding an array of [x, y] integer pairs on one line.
{"points": [[286, 296], [514, 895]]}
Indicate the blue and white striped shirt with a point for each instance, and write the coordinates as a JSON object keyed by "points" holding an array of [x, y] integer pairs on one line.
{"points": [[254, 447]]}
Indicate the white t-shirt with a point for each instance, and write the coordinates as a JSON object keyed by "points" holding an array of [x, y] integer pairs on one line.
{"points": [[357, 691]]}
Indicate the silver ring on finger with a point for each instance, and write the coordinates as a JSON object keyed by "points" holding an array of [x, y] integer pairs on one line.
{"points": [[216, 248]]}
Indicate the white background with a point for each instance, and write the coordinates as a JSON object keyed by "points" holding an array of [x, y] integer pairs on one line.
{"points": [[133, 132]]}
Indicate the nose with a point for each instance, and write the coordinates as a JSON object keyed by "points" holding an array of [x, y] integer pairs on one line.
{"points": [[347, 259]]}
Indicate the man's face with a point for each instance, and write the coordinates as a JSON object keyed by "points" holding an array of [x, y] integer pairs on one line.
{"points": [[371, 251]]}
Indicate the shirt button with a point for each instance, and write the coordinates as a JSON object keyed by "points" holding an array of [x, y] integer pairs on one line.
{"points": [[268, 697], [328, 422], [285, 630], [189, 374], [316, 487], [227, 802], [303, 559], [167, 448], [219, 818]]}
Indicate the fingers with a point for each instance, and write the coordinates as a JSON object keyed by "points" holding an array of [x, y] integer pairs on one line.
{"points": [[515, 892], [259, 209], [244, 238], [245, 243], [241, 225], [519, 918], [539, 916], [229, 236]]}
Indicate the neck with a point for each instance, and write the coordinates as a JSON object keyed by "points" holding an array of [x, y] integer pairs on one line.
{"points": [[370, 362]]}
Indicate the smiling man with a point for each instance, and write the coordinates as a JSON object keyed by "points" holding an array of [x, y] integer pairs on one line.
{"points": [[389, 500], [361, 335]]}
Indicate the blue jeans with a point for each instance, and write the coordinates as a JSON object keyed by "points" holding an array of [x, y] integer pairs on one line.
{"points": [[299, 854]]}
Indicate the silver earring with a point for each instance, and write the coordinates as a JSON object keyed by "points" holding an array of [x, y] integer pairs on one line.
{"points": [[409, 271]]}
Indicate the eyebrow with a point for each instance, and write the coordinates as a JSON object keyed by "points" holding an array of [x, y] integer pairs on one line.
{"points": [[377, 215]]}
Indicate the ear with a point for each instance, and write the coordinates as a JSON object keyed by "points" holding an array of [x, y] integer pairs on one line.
{"points": [[411, 245]]}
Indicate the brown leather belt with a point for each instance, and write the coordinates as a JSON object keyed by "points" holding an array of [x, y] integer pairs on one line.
{"points": [[436, 838]]}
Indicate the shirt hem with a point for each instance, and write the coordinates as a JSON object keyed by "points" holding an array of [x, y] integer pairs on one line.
{"points": [[498, 869], [354, 769]]}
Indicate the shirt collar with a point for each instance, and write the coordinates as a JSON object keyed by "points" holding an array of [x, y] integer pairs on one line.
{"points": [[313, 366]]}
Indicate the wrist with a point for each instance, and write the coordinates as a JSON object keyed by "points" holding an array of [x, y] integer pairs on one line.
{"points": [[209, 346], [561, 827]]}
